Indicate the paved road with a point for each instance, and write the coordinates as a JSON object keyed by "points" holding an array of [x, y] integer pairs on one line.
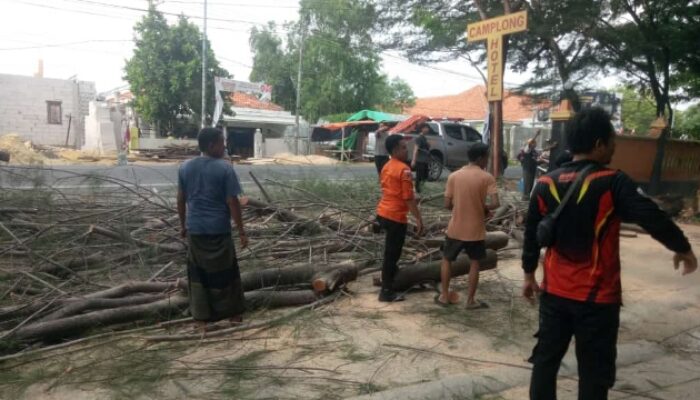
{"points": [[165, 175]]}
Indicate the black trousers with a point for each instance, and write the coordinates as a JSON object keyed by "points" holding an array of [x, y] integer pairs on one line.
{"points": [[529, 181], [595, 327], [379, 162], [421, 174], [393, 246]]}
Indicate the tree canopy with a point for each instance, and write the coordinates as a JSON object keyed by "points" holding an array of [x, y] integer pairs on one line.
{"points": [[340, 63], [165, 72], [569, 43]]}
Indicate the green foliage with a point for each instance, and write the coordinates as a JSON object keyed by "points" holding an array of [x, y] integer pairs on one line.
{"points": [[273, 65], [340, 63], [340, 117], [165, 73], [554, 49], [654, 44], [688, 123], [397, 96], [638, 110]]}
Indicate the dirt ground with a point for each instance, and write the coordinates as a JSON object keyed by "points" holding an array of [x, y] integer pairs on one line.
{"points": [[358, 346]]}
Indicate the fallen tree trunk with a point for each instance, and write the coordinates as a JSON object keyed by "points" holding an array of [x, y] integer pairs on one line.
{"points": [[60, 328], [328, 281], [77, 306], [137, 287], [286, 276], [274, 299], [494, 241], [413, 275]]}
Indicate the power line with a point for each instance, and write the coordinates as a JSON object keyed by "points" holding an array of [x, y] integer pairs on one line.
{"points": [[73, 10], [233, 4], [63, 44], [97, 3]]}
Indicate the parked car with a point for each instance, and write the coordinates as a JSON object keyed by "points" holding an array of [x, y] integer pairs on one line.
{"points": [[449, 142]]}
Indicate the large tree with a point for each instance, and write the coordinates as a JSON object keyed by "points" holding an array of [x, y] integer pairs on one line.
{"points": [[165, 72], [555, 49], [638, 110], [648, 42], [340, 64]]}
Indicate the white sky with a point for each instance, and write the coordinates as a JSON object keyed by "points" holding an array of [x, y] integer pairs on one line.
{"points": [[92, 38]]}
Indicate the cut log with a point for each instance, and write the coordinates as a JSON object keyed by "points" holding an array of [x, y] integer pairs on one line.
{"points": [[328, 281], [274, 299], [60, 328], [272, 277], [494, 241], [77, 306], [413, 275], [137, 287]]}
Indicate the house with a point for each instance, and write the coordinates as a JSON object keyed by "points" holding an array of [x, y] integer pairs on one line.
{"points": [[255, 128], [472, 106], [258, 128], [44, 110], [520, 114]]}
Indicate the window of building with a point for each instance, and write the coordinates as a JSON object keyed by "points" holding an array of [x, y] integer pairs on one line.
{"points": [[54, 113]]}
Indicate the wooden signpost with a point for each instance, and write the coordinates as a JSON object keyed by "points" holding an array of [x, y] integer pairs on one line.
{"points": [[493, 31]]}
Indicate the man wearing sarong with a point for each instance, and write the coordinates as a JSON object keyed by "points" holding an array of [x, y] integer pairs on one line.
{"points": [[207, 199]]}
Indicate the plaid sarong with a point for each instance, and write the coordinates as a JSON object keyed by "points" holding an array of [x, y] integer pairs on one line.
{"points": [[214, 278]]}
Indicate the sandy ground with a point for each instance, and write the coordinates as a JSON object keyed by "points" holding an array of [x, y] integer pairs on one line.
{"points": [[358, 346]]}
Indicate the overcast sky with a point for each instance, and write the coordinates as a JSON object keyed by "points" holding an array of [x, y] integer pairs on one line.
{"points": [[92, 38]]}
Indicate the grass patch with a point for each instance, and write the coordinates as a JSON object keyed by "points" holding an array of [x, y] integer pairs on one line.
{"points": [[352, 353], [369, 388], [240, 371]]}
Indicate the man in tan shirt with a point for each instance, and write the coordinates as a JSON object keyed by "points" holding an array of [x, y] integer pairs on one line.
{"points": [[471, 193]]}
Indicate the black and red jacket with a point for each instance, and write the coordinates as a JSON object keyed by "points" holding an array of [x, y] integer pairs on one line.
{"points": [[584, 263]]}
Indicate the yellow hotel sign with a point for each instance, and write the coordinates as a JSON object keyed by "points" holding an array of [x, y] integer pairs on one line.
{"points": [[492, 30]]}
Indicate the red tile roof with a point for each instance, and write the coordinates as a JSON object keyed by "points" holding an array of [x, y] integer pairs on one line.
{"points": [[472, 105], [245, 100]]}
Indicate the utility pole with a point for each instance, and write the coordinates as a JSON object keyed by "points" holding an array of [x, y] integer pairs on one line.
{"points": [[298, 106], [203, 114]]}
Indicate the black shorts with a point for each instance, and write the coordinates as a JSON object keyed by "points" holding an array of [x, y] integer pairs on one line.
{"points": [[452, 247]]}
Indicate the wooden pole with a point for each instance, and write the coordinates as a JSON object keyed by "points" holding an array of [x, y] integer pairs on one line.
{"points": [[70, 118], [496, 138]]}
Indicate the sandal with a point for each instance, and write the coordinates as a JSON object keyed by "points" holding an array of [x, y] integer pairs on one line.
{"points": [[478, 305], [440, 303]]}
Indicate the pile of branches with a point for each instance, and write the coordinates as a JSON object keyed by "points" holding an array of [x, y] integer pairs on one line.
{"points": [[109, 256], [170, 152]]}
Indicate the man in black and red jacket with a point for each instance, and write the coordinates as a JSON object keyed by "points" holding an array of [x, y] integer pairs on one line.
{"points": [[581, 292]]}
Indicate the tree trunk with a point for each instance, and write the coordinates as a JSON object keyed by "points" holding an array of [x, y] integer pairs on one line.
{"points": [[287, 276], [494, 241], [328, 281], [60, 328], [274, 299], [413, 275], [77, 306]]}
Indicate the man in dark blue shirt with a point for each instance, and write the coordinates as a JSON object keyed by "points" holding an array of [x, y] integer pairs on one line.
{"points": [[207, 200]]}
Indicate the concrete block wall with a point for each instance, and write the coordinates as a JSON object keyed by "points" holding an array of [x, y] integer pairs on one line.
{"points": [[23, 108]]}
